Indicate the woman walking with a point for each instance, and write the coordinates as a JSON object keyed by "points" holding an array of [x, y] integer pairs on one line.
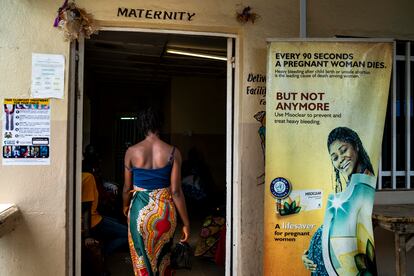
{"points": [[152, 193]]}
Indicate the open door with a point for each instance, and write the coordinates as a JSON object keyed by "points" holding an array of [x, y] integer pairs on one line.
{"points": [[79, 76]]}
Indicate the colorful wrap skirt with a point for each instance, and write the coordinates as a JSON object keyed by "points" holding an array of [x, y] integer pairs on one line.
{"points": [[151, 226]]}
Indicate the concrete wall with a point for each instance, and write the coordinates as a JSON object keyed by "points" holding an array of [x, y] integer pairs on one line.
{"points": [[37, 246]]}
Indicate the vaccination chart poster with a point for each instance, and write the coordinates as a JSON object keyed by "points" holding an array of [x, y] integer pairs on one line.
{"points": [[326, 103], [26, 132]]}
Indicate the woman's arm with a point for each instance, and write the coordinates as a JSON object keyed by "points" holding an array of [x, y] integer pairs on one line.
{"points": [[86, 224], [178, 195], [126, 195]]}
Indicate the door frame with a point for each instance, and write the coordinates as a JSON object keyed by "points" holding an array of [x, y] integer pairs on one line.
{"points": [[233, 190]]}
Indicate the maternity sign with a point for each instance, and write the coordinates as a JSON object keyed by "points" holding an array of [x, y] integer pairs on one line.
{"points": [[326, 103]]}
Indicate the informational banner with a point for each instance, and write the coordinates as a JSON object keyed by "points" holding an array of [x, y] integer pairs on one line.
{"points": [[325, 107], [26, 132]]}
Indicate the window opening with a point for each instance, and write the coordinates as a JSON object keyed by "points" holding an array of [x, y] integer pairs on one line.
{"points": [[396, 166]]}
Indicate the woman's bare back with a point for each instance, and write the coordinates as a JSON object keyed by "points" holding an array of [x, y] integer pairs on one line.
{"points": [[152, 153]]}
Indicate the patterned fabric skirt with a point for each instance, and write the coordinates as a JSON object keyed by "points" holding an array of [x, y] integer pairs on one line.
{"points": [[151, 226]]}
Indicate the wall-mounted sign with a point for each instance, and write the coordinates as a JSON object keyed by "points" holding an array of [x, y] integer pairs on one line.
{"points": [[164, 15], [48, 76], [257, 86], [26, 132]]}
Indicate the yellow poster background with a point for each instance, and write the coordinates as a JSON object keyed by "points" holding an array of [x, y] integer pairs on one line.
{"points": [[354, 81]]}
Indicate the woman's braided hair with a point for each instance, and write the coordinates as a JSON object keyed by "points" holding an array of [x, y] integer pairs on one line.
{"points": [[149, 121]]}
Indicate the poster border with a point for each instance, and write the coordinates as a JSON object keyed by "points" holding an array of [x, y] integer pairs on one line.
{"points": [[332, 39]]}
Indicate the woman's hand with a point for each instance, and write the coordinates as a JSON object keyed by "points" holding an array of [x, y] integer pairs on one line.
{"points": [[90, 242], [185, 234], [126, 210], [309, 264]]}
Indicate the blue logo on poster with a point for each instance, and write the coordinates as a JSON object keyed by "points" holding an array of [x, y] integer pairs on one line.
{"points": [[280, 187]]}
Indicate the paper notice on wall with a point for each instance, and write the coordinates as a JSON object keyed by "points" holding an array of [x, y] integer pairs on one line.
{"points": [[48, 78], [26, 132]]}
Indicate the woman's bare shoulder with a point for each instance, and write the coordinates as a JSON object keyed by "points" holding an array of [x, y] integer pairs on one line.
{"points": [[174, 150], [177, 153], [136, 149], [161, 145]]}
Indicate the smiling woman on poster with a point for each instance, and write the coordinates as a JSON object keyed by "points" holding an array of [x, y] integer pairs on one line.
{"points": [[344, 245]]}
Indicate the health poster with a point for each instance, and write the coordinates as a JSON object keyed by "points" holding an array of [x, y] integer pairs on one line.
{"points": [[26, 131], [326, 103]]}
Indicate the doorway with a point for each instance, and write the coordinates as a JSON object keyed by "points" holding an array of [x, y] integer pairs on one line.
{"points": [[127, 71]]}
